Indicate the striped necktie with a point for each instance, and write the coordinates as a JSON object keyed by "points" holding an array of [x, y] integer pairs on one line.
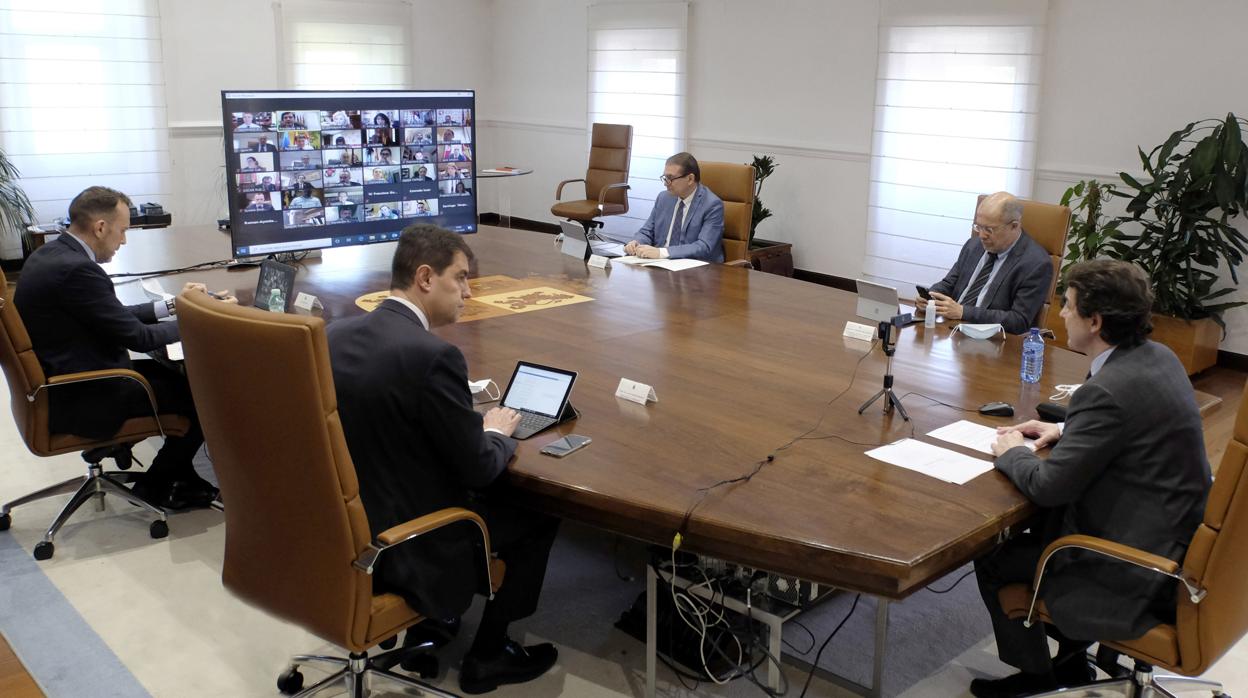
{"points": [[971, 297], [677, 220]]}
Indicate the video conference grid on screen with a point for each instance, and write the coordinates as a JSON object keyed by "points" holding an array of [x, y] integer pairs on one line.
{"points": [[325, 169]]}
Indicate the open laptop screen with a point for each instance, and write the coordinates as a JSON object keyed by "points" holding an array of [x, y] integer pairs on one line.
{"points": [[539, 389]]}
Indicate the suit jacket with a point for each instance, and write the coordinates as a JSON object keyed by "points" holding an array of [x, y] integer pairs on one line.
{"points": [[1017, 292], [76, 323], [418, 446], [1130, 467], [703, 234]]}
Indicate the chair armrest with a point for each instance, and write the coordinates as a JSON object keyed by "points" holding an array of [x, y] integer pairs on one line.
{"points": [[103, 374], [602, 195], [559, 189], [397, 535], [1117, 551]]}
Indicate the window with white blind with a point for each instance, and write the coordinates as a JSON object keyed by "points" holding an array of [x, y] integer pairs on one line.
{"points": [[955, 117], [345, 45], [82, 99], [637, 77]]}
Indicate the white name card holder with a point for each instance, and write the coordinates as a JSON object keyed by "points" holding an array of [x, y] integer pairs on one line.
{"points": [[597, 260], [855, 330], [633, 391], [307, 302]]}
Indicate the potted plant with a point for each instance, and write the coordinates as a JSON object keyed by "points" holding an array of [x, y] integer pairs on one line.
{"points": [[1177, 227], [16, 212], [767, 255]]}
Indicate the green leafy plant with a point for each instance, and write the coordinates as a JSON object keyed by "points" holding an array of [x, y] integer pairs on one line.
{"points": [[16, 211], [1092, 234], [764, 166], [1182, 232], [1177, 226]]}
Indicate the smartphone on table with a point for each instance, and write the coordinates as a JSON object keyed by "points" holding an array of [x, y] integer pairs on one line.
{"points": [[563, 446], [923, 293]]}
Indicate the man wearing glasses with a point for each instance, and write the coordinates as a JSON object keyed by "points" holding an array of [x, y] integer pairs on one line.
{"points": [[1001, 276], [687, 220]]}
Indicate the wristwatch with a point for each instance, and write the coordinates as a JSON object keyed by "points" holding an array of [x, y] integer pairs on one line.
{"points": [[171, 306]]}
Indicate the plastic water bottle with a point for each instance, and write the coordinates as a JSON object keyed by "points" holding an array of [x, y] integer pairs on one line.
{"points": [[277, 304], [1033, 357], [929, 316]]}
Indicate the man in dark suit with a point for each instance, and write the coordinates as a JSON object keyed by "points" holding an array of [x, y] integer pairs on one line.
{"points": [[687, 220], [419, 446], [76, 323], [1128, 465], [264, 146], [1001, 276]]}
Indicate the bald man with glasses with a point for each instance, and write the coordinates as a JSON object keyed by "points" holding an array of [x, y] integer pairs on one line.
{"points": [[1001, 276]]}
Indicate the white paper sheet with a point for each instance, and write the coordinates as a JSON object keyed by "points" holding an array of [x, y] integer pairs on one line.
{"points": [[971, 435], [933, 461], [669, 264], [155, 291]]}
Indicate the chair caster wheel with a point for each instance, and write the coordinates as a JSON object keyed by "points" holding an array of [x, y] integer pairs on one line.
{"points": [[290, 682], [5, 522], [388, 644], [158, 529], [423, 665], [44, 550]]}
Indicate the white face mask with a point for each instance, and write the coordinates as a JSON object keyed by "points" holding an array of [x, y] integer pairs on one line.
{"points": [[484, 389]]}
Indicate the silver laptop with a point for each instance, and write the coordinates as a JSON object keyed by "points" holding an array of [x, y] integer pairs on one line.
{"points": [[575, 242], [878, 302], [540, 394]]}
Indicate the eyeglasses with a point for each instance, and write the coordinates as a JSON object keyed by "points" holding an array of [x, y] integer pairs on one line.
{"points": [[989, 229], [668, 179]]}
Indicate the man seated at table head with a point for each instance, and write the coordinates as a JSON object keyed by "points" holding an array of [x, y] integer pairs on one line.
{"points": [[76, 323], [1001, 276], [419, 446], [1128, 465], [687, 220]]}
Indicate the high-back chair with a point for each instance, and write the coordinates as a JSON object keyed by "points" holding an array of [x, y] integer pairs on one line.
{"points": [[1211, 585], [734, 184], [606, 179], [1047, 225], [28, 392], [297, 540]]}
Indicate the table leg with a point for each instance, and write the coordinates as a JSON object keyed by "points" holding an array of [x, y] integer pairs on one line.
{"points": [[881, 640], [775, 626], [652, 647]]}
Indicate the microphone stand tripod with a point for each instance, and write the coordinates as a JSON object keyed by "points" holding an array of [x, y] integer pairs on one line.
{"points": [[890, 398]]}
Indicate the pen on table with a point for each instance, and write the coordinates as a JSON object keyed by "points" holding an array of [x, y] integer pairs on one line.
{"points": [[218, 296]]}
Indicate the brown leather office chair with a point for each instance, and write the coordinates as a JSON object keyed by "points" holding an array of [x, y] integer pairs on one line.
{"points": [[297, 541], [1047, 224], [606, 180], [734, 183], [28, 392], [1211, 585]]}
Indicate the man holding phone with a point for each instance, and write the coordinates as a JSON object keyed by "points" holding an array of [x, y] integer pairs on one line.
{"points": [[1001, 276], [419, 446]]}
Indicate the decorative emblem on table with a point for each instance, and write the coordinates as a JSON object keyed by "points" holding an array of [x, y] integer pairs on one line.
{"points": [[527, 299], [369, 301]]}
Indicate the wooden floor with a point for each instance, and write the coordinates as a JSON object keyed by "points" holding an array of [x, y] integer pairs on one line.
{"points": [[14, 681], [1227, 384]]}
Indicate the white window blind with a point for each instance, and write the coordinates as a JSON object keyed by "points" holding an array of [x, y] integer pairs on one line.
{"points": [[637, 77], [955, 117], [82, 99], [346, 45]]}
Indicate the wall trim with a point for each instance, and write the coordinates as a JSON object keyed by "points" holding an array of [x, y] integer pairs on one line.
{"points": [[515, 125], [1074, 173], [790, 149], [195, 129]]}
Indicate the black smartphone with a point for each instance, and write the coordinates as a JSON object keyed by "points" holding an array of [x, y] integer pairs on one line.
{"points": [[923, 293], [562, 447]]}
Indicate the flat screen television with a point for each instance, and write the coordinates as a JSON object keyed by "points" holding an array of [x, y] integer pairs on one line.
{"points": [[313, 169]]}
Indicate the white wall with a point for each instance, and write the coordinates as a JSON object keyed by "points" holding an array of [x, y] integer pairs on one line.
{"points": [[790, 78]]}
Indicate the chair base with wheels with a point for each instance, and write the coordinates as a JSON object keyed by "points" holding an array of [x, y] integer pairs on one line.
{"points": [[1141, 682], [358, 672], [93, 485]]}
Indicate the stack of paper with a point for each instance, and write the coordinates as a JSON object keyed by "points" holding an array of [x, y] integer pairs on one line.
{"points": [[668, 264], [933, 461], [976, 437]]}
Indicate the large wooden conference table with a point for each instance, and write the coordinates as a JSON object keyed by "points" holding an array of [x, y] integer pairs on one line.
{"points": [[742, 363]]}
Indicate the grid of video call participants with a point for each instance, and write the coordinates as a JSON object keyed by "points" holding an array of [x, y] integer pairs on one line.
{"points": [[332, 167]]}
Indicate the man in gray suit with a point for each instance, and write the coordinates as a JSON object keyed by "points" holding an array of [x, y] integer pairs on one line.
{"points": [[1001, 276], [1128, 465], [687, 220]]}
